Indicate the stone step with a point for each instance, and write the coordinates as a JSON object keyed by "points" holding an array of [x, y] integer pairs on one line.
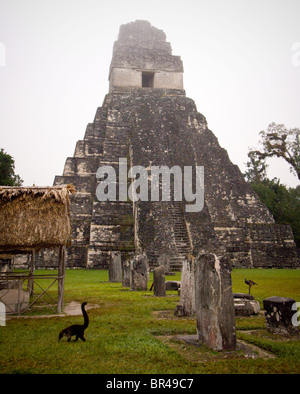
{"points": [[181, 234]]}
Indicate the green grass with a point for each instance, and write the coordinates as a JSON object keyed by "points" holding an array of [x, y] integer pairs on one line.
{"points": [[123, 330]]}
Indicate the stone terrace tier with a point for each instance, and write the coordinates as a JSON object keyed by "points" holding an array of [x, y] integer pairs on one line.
{"points": [[162, 127]]}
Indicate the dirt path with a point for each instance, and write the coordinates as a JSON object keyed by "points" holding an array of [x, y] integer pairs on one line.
{"points": [[71, 309]]}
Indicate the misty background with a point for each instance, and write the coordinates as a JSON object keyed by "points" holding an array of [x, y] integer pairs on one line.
{"points": [[55, 56]]}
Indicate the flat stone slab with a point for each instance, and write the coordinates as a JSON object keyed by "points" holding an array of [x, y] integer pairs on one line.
{"points": [[189, 347], [243, 295], [246, 307], [139, 273], [10, 298], [74, 308], [248, 350], [172, 285]]}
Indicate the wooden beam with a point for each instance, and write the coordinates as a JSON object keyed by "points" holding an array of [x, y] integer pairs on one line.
{"points": [[61, 278], [31, 273], [20, 282]]}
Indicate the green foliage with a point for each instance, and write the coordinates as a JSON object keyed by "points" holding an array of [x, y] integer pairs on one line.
{"points": [[7, 171], [282, 202]]}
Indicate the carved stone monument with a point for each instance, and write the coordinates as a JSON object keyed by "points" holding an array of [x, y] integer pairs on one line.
{"points": [[164, 260], [115, 267], [214, 302], [126, 270], [139, 273], [159, 281], [245, 305], [187, 288]]}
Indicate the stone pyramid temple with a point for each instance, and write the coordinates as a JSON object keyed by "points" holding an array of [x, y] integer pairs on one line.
{"points": [[147, 119]]}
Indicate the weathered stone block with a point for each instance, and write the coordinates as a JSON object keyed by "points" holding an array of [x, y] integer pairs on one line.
{"points": [[246, 307], [164, 260], [214, 302], [173, 285], [139, 273], [97, 258], [159, 283], [126, 273], [243, 295], [279, 316], [187, 289], [115, 267], [178, 312]]}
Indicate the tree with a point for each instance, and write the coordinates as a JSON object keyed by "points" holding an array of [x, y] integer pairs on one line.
{"points": [[7, 171], [278, 141], [256, 168], [282, 202]]}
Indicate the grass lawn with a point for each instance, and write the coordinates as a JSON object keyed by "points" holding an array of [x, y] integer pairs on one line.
{"points": [[123, 335]]}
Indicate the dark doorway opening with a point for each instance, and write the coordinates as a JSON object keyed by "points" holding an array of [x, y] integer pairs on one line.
{"points": [[147, 80]]}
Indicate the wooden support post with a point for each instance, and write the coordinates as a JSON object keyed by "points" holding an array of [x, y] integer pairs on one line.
{"points": [[61, 279], [19, 297], [31, 274]]}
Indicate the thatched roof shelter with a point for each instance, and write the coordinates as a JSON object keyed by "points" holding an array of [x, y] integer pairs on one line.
{"points": [[32, 218]]}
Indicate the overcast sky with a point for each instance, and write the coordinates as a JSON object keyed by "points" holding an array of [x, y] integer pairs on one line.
{"points": [[240, 62]]}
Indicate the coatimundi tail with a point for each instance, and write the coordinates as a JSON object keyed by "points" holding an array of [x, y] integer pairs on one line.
{"points": [[76, 329]]}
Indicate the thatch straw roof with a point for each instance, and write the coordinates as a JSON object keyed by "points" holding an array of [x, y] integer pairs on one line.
{"points": [[32, 218]]}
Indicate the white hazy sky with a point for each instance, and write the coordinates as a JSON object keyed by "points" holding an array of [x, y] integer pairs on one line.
{"points": [[240, 62]]}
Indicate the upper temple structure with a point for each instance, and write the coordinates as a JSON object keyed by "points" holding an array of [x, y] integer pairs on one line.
{"points": [[147, 119], [143, 58]]}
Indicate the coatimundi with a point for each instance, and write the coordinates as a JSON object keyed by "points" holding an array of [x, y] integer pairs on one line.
{"points": [[76, 329]]}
